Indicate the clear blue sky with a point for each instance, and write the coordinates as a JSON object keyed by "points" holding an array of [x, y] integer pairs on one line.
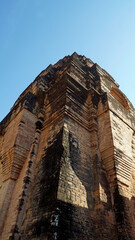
{"points": [[35, 33]]}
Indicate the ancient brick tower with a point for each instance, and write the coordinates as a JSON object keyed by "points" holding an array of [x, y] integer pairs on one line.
{"points": [[67, 158]]}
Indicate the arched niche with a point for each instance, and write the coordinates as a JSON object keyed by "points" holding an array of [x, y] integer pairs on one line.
{"points": [[117, 94]]}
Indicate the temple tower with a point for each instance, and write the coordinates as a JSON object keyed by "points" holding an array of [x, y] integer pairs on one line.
{"points": [[67, 157]]}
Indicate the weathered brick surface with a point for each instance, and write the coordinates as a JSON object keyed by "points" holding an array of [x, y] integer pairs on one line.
{"points": [[67, 153]]}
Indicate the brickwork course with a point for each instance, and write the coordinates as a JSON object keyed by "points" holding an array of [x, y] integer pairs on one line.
{"points": [[67, 157]]}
